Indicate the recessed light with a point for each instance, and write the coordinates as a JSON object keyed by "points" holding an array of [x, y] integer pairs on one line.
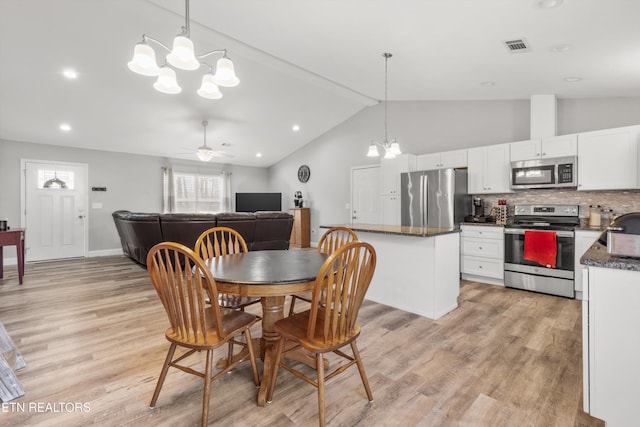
{"points": [[559, 48], [258, 154], [66, 127], [70, 73], [548, 4], [572, 79], [487, 83], [295, 128]]}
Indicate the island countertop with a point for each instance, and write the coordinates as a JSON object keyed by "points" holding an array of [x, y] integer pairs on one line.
{"points": [[401, 230], [597, 256]]}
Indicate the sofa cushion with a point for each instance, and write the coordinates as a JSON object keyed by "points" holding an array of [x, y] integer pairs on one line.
{"points": [[243, 222], [273, 231], [185, 228]]}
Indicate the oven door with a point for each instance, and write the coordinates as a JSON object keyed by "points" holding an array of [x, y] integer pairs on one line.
{"points": [[514, 254], [531, 276]]}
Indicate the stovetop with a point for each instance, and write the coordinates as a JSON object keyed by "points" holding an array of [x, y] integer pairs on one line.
{"points": [[545, 217]]}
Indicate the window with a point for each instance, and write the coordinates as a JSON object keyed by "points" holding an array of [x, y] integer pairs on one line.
{"points": [[195, 192], [55, 179]]}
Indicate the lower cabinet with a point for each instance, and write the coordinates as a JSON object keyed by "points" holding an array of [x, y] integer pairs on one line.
{"points": [[482, 253], [390, 209]]}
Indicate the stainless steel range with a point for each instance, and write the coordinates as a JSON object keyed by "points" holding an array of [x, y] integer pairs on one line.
{"points": [[530, 224]]}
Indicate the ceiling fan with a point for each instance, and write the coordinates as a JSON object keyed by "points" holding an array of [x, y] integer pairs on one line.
{"points": [[206, 153]]}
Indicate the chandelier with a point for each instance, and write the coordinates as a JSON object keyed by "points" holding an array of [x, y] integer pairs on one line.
{"points": [[183, 57], [391, 148]]}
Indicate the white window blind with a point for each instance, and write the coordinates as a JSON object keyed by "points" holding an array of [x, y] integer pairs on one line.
{"points": [[196, 192]]}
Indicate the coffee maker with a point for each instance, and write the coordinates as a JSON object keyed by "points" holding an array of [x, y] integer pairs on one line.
{"points": [[478, 207]]}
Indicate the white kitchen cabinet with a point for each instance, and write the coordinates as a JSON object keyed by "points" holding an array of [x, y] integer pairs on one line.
{"points": [[482, 253], [390, 209], [553, 146], [584, 240], [611, 348], [391, 170], [608, 159], [444, 160], [488, 169]]}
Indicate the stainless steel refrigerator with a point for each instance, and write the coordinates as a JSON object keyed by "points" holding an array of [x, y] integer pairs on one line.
{"points": [[436, 198]]}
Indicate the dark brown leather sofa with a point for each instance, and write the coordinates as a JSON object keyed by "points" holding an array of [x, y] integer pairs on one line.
{"points": [[139, 232]]}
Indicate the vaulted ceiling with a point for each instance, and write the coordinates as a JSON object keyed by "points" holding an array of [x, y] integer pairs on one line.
{"points": [[313, 63]]}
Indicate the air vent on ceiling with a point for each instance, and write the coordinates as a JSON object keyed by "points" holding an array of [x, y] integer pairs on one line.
{"points": [[516, 46]]}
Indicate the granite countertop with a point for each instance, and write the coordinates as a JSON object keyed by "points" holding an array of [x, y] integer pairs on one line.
{"points": [[597, 256], [483, 224], [397, 229]]}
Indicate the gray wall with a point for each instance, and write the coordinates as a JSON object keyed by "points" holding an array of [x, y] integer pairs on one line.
{"points": [[133, 182], [420, 128]]}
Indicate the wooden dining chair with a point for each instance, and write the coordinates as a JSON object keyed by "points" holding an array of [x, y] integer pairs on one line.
{"points": [[220, 241], [183, 282], [330, 324], [332, 239]]}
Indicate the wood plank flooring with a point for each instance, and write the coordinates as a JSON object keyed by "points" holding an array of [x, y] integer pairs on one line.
{"points": [[92, 334]]}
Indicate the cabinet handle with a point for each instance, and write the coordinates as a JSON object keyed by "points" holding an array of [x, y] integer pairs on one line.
{"points": [[537, 154], [480, 267], [480, 247], [544, 154]]}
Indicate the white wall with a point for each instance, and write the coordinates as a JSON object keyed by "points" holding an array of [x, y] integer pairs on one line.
{"points": [[133, 182], [420, 128]]}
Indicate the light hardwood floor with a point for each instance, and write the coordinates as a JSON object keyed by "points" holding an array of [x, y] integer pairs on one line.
{"points": [[92, 334]]}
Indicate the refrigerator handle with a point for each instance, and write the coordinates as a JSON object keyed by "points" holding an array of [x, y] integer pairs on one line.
{"points": [[423, 199]]}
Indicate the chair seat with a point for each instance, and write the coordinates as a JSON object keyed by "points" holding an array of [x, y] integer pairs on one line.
{"points": [[232, 323], [235, 302], [295, 328]]}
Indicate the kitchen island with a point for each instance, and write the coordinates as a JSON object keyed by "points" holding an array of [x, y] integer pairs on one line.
{"points": [[610, 331], [418, 268]]}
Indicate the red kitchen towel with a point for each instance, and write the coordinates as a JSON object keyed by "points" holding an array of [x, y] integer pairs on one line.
{"points": [[540, 247]]}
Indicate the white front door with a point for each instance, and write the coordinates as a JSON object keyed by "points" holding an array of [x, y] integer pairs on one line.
{"points": [[365, 195], [54, 210]]}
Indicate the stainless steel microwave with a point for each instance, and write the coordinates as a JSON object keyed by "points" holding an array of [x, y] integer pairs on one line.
{"points": [[555, 172]]}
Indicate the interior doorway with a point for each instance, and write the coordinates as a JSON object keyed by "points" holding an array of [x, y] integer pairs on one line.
{"points": [[365, 195], [54, 209]]}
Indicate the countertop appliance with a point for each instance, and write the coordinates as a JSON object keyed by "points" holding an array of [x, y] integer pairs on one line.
{"points": [[436, 198], [529, 275], [622, 237], [555, 172]]}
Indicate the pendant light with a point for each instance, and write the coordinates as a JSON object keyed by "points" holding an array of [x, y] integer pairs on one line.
{"points": [[182, 56], [391, 148]]}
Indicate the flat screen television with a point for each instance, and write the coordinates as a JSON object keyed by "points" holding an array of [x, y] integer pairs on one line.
{"points": [[252, 202]]}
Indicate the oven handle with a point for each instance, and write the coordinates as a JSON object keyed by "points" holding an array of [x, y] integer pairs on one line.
{"points": [[521, 231]]}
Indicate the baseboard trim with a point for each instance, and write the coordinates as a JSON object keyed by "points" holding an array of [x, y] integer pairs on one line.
{"points": [[104, 252]]}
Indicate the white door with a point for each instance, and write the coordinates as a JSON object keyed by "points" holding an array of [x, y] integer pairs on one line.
{"points": [[54, 210], [365, 195]]}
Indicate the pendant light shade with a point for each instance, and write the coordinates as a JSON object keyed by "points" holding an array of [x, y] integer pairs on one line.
{"points": [[182, 55], [166, 82], [144, 60], [225, 74], [373, 151], [209, 89]]}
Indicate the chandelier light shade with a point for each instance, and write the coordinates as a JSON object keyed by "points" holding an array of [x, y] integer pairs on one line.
{"points": [[167, 82], [209, 89], [391, 148], [182, 56]]}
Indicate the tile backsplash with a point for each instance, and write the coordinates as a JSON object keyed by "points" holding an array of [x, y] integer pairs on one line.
{"points": [[620, 201]]}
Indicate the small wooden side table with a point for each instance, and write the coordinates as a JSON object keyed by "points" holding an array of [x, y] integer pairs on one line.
{"points": [[300, 233], [15, 238]]}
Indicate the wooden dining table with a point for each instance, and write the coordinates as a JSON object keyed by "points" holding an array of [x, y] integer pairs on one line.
{"points": [[271, 275]]}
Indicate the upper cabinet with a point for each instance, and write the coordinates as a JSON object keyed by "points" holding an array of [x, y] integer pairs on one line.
{"points": [[553, 146], [391, 170], [608, 159], [488, 169], [444, 160]]}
